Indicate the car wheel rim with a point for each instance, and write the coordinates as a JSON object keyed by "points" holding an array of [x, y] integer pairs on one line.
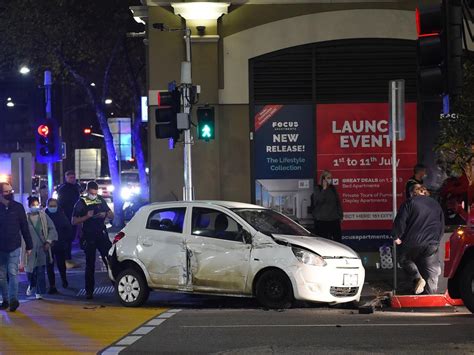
{"points": [[128, 288], [274, 289]]}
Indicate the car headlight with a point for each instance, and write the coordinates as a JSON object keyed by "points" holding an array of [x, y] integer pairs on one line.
{"points": [[126, 193], [308, 258]]}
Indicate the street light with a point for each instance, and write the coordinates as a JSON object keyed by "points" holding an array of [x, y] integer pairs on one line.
{"points": [[108, 101], [10, 103], [24, 70]]}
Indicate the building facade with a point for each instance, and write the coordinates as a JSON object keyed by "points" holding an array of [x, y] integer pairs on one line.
{"points": [[299, 87]]}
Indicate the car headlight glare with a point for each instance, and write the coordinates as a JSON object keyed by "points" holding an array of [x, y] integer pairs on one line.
{"points": [[308, 258]]}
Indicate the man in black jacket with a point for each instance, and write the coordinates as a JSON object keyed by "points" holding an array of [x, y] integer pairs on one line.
{"points": [[418, 229], [68, 195], [12, 222]]}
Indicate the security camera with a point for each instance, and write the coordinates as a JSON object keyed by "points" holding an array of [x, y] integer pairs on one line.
{"points": [[201, 30], [159, 26]]}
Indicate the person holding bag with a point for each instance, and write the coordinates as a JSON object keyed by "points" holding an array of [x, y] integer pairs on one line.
{"points": [[44, 234]]}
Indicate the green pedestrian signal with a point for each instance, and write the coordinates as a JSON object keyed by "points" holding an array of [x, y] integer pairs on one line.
{"points": [[205, 127]]}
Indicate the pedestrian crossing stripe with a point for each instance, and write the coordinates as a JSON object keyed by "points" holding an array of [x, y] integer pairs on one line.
{"points": [[98, 291]]}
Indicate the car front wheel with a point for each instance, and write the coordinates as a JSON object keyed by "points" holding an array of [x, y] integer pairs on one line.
{"points": [[131, 288], [466, 284], [273, 290]]}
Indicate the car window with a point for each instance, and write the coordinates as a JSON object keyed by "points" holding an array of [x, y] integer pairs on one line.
{"points": [[211, 223], [169, 219]]}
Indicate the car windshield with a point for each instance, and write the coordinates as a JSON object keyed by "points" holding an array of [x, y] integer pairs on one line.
{"points": [[270, 222]]}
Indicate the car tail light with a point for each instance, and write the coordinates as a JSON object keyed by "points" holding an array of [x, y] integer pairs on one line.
{"points": [[447, 251], [119, 236]]}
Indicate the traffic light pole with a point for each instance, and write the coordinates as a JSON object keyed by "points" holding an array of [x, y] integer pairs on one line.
{"points": [[186, 79], [47, 90]]}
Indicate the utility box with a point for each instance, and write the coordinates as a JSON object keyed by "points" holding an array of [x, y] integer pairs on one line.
{"points": [[87, 163]]}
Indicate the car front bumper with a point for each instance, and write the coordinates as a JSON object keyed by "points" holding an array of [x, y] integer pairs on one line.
{"points": [[340, 281]]}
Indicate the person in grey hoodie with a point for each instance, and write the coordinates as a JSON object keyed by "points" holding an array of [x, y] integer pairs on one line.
{"points": [[326, 208]]}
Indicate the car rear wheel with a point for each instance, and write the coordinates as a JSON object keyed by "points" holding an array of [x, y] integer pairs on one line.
{"points": [[131, 288], [273, 290], [466, 285]]}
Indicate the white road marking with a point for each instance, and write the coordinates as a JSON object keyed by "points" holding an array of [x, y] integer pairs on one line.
{"points": [[113, 350], [155, 322], [128, 340], [166, 315], [139, 332], [143, 330], [318, 325]]}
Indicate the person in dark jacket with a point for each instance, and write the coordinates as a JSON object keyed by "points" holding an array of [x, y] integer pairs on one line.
{"points": [[418, 229], [327, 209], [58, 249], [68, 195], [419, 173], [13, 226], [91, 211]]}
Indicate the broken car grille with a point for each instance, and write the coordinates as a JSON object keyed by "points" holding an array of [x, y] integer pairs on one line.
{"points": [[343, 291]]}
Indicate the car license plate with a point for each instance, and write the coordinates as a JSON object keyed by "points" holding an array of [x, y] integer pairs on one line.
{"points": [[350, 280]]}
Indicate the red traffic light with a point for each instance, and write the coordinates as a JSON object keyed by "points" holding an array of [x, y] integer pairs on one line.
{"points": [[43, 130], [87, 131]]}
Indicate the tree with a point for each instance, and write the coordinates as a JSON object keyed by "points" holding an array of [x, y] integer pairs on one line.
{"points": [[80, 41], [456, 137]]}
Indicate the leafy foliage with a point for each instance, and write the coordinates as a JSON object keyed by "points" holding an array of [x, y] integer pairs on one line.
{"points": [[456, 136], [80, 42]]}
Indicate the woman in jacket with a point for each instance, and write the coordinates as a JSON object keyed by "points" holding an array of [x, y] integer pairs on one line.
{"points": [[58, 249], [43, 233], [327, 209]]}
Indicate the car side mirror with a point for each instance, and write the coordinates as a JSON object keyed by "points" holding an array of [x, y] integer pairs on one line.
{"points": [[247, 236]]}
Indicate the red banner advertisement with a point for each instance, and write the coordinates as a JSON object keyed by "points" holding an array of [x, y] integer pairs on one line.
{"points": [[353, 143]]}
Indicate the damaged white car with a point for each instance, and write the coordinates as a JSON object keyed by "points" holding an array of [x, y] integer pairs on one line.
{"points": [[230, 248]]}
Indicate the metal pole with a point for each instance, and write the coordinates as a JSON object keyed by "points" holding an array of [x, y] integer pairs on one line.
{"points": [[187, 81], [21, 180], [397, 107], [47, 90]]}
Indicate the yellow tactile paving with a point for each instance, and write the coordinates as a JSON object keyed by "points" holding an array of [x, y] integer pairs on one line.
{"points": [[47, 326]]}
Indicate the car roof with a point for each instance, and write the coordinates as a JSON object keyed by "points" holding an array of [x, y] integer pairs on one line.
{"points": [[226, 204]]}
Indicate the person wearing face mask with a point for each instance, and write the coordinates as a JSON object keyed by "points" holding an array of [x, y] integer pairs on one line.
{"points": [[327, 209], [43, 234], [13, 227], [419, 174], [58, 249], [91, 212]]}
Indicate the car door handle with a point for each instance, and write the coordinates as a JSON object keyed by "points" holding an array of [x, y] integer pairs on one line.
{"points": [[147, 243]]}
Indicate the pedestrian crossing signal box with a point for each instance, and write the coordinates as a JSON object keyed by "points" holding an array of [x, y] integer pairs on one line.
{"points": [[206, 123]]}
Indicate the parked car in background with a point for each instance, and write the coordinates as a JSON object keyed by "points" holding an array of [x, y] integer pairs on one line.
{"points": [[459, 264], [106, 188], [230, 248], [130, 185]]}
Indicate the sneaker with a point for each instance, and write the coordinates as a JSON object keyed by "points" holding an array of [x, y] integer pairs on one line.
{"points": [[52, 290], [70, 264], [420, 286], [4, 305], [29, 290], [39, 296], [14, 305]]}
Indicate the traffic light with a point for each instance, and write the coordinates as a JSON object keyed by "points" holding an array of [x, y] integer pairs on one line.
{"points": [[205, 127], [48, 143], [439, 48], [169, 104]]}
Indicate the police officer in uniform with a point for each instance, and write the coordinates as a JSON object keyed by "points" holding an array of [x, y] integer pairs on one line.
{"points": [[91, 211]]}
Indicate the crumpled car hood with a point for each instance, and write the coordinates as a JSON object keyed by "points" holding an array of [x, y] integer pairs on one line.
{"points": [[321, 246]]}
